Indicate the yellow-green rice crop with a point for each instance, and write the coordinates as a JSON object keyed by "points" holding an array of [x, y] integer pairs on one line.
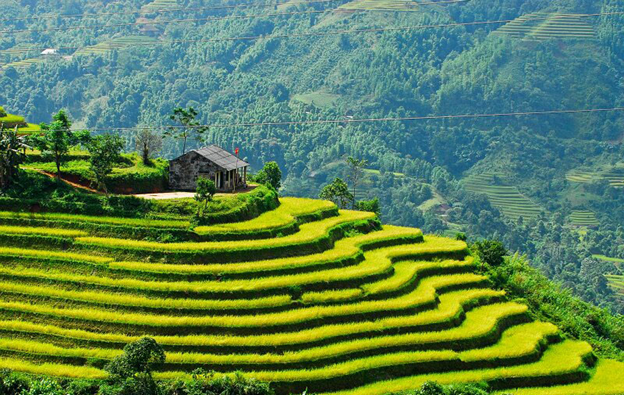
{"points": [[27, 230], [513, 343], [308, 233], [343, 249], [143, 222], [46, 254], [560, 358], [52, 369], [287, 213], [141, 301], [450, 306], [607, 380], [423, 294], [375, 262]]}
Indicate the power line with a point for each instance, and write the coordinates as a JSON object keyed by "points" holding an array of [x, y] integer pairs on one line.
{"points": [[168, 10], [347, 120], [147, 23], [207, 19], [340, 32]]}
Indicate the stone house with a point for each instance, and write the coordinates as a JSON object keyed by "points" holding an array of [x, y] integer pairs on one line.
{"points": [[213, 162]]}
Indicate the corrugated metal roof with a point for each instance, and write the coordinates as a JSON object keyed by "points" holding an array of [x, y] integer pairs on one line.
{"points": [[221, 157]]}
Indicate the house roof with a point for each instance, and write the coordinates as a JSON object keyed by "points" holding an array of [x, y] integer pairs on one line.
{"points": [[221, 157]]}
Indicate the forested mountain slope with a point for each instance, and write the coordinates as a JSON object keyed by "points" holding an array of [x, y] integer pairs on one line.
{"points": [[326, 60]]}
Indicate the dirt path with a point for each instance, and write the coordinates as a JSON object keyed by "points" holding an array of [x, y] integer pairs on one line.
{"points": [[182, 195], [70, 183]]}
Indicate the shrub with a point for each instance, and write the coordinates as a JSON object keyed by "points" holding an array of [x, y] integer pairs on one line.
{"points": [[2, 112], [369, 205], [491, 252], [270, 175]]}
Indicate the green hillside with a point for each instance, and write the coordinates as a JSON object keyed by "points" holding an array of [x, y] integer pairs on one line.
{"points": [[10, 121], [506, 198], [544, 26], [336, 303], [424, 89]]}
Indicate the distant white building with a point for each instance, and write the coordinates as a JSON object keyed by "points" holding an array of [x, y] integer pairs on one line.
{"points": [[50, 51]]}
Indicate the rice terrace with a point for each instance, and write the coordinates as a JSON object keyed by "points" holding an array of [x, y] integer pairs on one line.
{"points": [[312, 197], [302, 296]]}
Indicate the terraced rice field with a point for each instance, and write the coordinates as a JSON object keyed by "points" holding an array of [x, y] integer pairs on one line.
{"points": [[506, 198], [547, 26], [616, 282], [116, 44], [305, 296], [613, 174], [583, 218], [392, 5], [24, 63], [160, 5]]}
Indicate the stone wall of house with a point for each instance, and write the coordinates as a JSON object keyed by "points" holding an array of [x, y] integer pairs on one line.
{"points": [[184, 171]]}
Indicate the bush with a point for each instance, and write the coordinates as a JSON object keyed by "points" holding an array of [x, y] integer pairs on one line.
{"points": [[372, 206], [270, 175], [2, 112], [491, 252]]}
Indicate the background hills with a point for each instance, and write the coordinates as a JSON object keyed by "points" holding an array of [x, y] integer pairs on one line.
{"points": [[548, 185]]}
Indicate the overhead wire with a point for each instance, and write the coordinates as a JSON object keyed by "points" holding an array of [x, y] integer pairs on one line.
{"points": [[348, 120], [340, 32], [248, 5]]}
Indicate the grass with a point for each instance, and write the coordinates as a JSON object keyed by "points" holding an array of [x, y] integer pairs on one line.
{"points": [[614, 175], [616, 282], [546, 26], [450, 306], [603, 382], [616, 261], [583, 218], [514, 342], [391, 5], [115, 44], [424, 294], [22, 230], [563, 358], [24, 128], [303, 296], [320, 98], [308, 234], [375, 262], [285, 215], [506, 198]]}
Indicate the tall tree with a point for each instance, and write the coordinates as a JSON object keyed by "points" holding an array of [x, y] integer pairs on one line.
{"points": [[147, 142], [12, 149], [105, 151], [205, 191], [337, 192], [55, 140], [270, 175], [356, 169], [187, 126]]}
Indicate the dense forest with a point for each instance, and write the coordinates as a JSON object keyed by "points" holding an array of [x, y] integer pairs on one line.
{"points": [[521, 179]]}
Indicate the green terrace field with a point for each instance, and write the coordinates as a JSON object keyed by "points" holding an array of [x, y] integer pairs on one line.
{"points": [[506, 198], [160, 5], [114, 44], [583, 218], [394, 5], [613, 174], [320, 99], [304, 296], [130, 172], [10, 121], [616, 261], [545, 26], [616, 282]]}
